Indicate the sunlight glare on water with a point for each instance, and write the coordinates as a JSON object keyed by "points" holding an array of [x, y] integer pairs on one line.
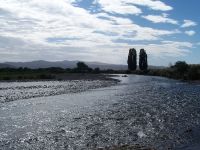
{"points": [[149, 111]]}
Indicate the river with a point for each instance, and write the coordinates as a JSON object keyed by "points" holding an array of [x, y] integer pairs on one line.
{"points": [[154, 112]]}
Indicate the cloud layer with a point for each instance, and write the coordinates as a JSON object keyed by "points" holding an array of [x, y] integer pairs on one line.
{"points": [[54, 30]]}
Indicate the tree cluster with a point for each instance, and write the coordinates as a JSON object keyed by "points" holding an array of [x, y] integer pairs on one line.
{"points": [[132, 60], [180, 70], [185, 71]]}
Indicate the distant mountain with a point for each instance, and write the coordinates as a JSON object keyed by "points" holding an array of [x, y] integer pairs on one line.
{"points": [[4, 65], [63, 64], [43, 64]]}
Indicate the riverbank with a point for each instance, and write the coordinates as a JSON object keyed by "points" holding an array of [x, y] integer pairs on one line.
{"points": [[16, 90], [167, 73], [33, 77], [85, 76], [180, 71]]}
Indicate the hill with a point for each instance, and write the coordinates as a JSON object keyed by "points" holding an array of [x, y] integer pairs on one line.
{"points": [[65, 64]]}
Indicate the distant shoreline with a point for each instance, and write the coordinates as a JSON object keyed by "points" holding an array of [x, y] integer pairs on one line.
{"points": [[65, 77]]}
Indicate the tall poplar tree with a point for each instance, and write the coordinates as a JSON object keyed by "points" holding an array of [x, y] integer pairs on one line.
{"points": [[132, 59], [143, 64]]}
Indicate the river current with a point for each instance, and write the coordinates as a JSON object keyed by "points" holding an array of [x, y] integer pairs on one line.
{"points": [[154, 112]]}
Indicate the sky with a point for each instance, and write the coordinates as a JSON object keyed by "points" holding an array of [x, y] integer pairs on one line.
{"points": [[100, 30]]}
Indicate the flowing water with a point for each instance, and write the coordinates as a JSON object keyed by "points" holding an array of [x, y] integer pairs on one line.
{"points": [[149, 111]]}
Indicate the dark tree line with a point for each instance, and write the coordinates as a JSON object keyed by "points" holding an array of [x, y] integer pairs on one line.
{"points": [[132, 60], [180, 70]]}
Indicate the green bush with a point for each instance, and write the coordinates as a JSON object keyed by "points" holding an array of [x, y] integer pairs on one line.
{"points": [[82, 68], [96, 70], [46, 76], [6, 78], [181, 67], [194, 73]]}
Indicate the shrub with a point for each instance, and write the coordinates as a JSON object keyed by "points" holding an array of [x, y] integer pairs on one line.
{"points": [[194, 73], [96, 70], [46, 76], [82, 68], [181, 67]]}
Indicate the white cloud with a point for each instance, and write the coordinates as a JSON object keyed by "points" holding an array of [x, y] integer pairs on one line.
{"points": [[159, 52], [54, 30], [190, 33], [152, 4], [38, 20], [167, 48], [188, 23], [160, 19], [130, 6], [118, 6]]}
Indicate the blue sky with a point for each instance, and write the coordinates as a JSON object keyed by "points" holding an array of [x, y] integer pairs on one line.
{"points": [[99, 30]]}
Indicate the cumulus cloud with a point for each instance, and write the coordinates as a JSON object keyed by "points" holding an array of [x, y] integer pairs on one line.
{"points": [[188, 23], [118, 6], [131, 6], [57, 30], [38, 21], [160, 19], [166, 48], [152, 4], [190, 32]]}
